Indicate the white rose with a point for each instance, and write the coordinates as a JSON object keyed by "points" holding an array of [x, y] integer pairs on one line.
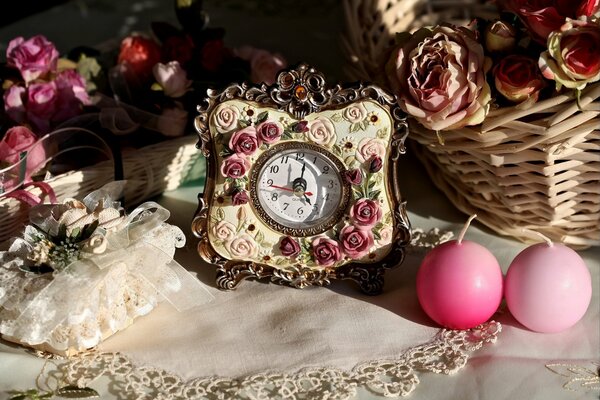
{"points": [[172, 78], [226, 118], [355, 113], [242, 246], [224, 231], [385, 235], [321, 131], [369, 147]]}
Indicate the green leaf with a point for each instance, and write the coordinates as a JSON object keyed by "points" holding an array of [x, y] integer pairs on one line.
{"points": [[19, 397], [225, 152], [364, 124], [382, 133], [260, 237], [75, 233], [374, 195], [372, 185], [156, 87], [354, 128], [337, 150], [357, 192], [220, 214], [89, 229], [336, 118], [243, 123], [376, 235], [74, 392], [262, 117]]}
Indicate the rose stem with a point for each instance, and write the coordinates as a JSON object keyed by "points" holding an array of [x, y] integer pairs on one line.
{"points": [[535, 233], [464, 229]]}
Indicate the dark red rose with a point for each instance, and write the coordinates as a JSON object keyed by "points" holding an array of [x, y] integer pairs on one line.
{"points": [[178, 48], [518, 78], [239, 197], [375, 164], [326, 251], [244, 141], [213, 54], [365, 213], [140, 54], [269, 131], [289, 247], [235, 166], [356, 242], [354, 176], [301, 126]]}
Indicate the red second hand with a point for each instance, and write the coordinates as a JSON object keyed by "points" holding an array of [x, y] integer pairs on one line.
{"points": [[290, 190]]}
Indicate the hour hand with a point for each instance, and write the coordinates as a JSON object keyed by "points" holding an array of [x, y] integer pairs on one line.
{"points": [[307, 199]]}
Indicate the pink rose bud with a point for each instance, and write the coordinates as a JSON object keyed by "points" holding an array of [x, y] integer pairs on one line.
{"points": [[264, 66], [356, 242], [301, 127], [72, 95], [500, 37], [518, 78], [34, 58], [375, 164], [269, 131], [244, 141], [172, 78], [289, 247], [42, 104], [17, 140], [13, 103], [239, 197], [354, 176], [235, 166], [365, 213], [326, 251]]}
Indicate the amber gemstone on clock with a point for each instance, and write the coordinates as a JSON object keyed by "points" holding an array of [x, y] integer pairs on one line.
{"points": [[300, 92]]}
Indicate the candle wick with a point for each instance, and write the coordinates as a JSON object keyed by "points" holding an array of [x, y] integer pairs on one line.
{"points": [[539, 234], [464, 229]]}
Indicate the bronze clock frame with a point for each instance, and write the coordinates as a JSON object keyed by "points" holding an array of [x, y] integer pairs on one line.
{"points": [[300, 91]]}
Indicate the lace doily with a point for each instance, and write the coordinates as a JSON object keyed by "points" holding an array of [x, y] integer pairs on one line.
{"points": [[446, 354]]}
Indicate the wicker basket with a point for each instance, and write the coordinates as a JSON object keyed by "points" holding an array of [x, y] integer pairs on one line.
{"points": [[537, 168], [149, 171]]}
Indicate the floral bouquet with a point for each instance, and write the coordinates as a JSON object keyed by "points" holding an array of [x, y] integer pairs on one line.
{"points": [[505, 108], [84, 270]]}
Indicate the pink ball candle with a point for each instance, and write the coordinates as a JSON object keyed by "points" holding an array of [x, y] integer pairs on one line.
{"points": [[459, 283], [548, 287]]}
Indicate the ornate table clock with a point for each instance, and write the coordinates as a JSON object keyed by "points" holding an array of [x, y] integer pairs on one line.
{"points": [[303, 182]]}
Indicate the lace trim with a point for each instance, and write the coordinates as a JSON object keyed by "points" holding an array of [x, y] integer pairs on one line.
{"points": [[446, 354], [423, 241], [580, 377]]}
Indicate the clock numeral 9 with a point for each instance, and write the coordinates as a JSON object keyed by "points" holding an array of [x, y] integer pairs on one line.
{"points": [[270, 182], [274, 169]]}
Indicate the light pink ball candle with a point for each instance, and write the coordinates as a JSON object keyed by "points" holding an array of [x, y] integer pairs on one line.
{"points": [[548, 287], [459, 284]]}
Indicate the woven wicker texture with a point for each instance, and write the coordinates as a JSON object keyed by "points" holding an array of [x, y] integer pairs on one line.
{"points": [[149, 171], [535, 168]]}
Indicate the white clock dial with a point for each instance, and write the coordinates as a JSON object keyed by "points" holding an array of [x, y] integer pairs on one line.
{"points": [[299, 188]]}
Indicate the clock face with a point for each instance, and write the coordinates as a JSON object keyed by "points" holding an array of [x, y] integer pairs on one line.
{"points": [[299, 189]]}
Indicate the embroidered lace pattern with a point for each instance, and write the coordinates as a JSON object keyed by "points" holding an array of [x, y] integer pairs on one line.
{"points": [[580, 377], [423, 241], [446, 354]]}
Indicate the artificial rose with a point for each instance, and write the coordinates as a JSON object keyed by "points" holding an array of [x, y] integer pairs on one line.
{"points": [[13, 103], [17, 140], [172, 121], [244, 141], [326, 251], [239, 197], [224, 231], [518, 78], [140, 54], [269, 131], [242, 246], [235, 166], [72, 94], [365, 213], [353, 176], [34, 58], [264, 66], [541, 17], [375, 164], [289, 247], [213, 54], [500, 37], [42, 102], [369, 147], [356, 242], [321, 131], [178, 48], [573, 56], [301, 127], [172, 78], [386, 235], [355, 113], [438, 75], [226, 118]]}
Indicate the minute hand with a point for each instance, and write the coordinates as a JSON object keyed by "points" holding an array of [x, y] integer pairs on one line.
{"points": [[289, 190]]}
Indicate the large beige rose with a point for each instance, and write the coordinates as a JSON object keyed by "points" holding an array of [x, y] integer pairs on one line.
{"points": [[439, 76], [224, 231], [321, 131], [242, 246], [355, 113], [369, 147], [226, 118]]}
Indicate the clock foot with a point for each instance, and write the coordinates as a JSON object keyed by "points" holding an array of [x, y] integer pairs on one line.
{"points": [[370, 280]]}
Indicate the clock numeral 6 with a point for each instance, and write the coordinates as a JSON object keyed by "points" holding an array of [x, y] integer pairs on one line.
{"points": [[300, 211]]}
